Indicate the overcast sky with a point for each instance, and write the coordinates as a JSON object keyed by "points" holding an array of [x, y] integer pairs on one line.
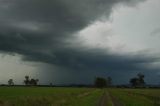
{"points": [[74, 41]]}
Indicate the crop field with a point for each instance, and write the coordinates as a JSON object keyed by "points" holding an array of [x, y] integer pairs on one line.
{"points": [[61, 96], [135, 97]]}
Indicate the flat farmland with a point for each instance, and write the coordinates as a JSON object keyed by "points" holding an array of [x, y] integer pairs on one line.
{"points": [[68, 96], [47, 96], [136, 97]]}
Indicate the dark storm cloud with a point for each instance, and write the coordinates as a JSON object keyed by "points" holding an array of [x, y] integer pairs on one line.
{"points": [[39, 29]]}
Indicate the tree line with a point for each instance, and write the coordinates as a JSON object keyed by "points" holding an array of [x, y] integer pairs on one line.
{"points": [[137, 81], [99, 82], [27, 81]]}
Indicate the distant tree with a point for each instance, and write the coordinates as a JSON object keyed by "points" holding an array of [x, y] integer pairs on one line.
{"points": [[34, 81], [134, 82], [138, 81], [141, 79], [26, 81], [10, 82], [100, 82]]}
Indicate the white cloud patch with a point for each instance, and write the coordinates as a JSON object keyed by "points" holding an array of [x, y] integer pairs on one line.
{"points": [[11, 67]]}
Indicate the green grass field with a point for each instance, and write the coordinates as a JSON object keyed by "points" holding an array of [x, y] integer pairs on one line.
{"points": [[43, 96], [61, 96]]}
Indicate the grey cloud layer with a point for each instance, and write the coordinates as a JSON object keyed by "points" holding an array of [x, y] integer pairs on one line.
{"points": [[38, 29], [155, 32]]}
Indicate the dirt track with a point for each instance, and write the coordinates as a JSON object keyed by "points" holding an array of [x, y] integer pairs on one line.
{"points": [[106, 97], [116, 102], [103, 100]]}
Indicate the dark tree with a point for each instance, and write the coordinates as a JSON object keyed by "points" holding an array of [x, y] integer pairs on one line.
{"points": [[26, 81], [34, 81], [100, 82], [10, 82], [138, 81], [134, 82], [141, 79]]}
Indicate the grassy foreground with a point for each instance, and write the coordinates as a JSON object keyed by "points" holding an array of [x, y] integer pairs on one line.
{"points": [[137, 97], [43, 96], [61, 96]]}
